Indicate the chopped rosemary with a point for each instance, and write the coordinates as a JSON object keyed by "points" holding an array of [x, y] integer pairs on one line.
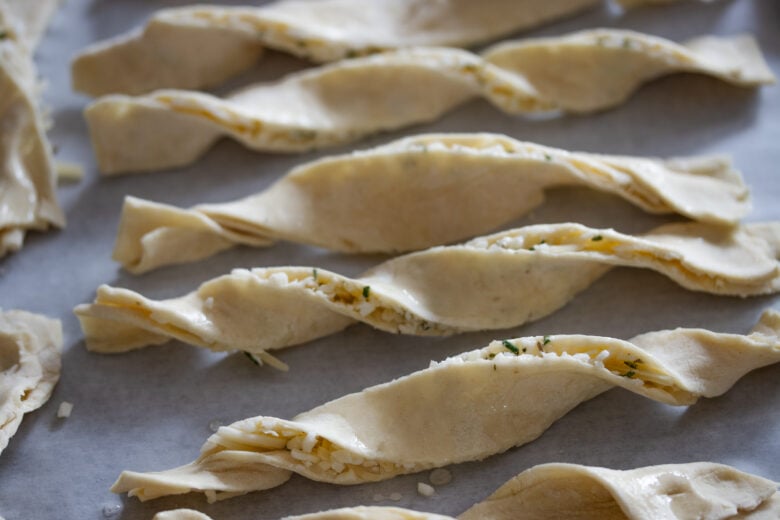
{"points": [[630, 364], [546, 340], [252, 358], [366, 291], [532, 248], [597, 238], [629, 374], [314, 274], [547, 157], [510, 347], [492, 355]]}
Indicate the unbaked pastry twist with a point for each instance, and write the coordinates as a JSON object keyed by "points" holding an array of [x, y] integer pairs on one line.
{"points": [[486, 283], [202, 46], [338, 103], [399, 197], [467, 405], [554, 491], [28, 176], [30, 350]]}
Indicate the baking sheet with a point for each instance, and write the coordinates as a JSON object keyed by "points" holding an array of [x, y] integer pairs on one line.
{"points": [[151, 409]]}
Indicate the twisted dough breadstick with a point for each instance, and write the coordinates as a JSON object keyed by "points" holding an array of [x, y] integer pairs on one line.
{"points": [[666, 492], [28, 198], [483, 284], [399, 197], [30, 347], [554, 491], [201, 46], [468, 407], [341, 102]]}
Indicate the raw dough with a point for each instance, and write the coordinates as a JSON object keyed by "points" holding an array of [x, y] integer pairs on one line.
{"points": [[471, 406], [342, 102], [30, 350], [27, 171], [399, 197], [480, 285], [201, 46], [555, 491], [347, 513]]}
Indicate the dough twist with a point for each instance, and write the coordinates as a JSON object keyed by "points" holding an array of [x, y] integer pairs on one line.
{"points": [[493, 282], [30, 350], [554, 491], [341, 102], [28, 176], [398, 197], [468, 407], [202, 46]]}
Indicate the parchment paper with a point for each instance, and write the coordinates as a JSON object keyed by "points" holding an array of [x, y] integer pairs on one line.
{"points": [[151, 409]]}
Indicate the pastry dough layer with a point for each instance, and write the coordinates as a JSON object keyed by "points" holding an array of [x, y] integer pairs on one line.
{"points": [[347, 513], [666, 492], [341, 102], [399, 197], [482, 284], [471, 406], [555, 491], [30, 350], [202, 46], [27, 173]]}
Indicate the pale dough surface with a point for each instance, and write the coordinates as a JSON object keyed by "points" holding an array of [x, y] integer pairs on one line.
{"points": [[470, 407], [399, 197], [572, 491], [27, 174], [30, 350], [484, 284], [338, 103], [347, 513], [200, 46]]}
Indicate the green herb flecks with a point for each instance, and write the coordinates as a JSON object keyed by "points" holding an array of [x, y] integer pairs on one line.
{"points": [[629, 374], [546, 340], [547, 157], [597, 238], [252, 358], [3, 34], [511, 347], [366, 291], [303, 134], [314, 274]]}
